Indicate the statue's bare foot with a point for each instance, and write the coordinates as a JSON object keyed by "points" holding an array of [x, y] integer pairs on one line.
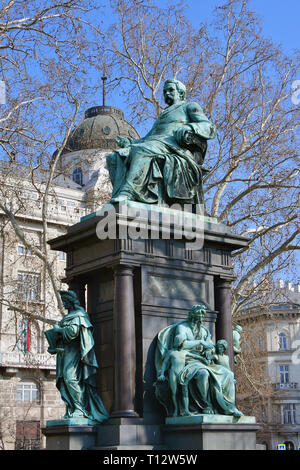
{"points": [[237, 414], [187, 413], [175, 413], [208, 411], [77, 414]]}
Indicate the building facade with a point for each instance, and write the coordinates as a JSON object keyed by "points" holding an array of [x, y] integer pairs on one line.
{"points": [[275, 324], [28, 394]]}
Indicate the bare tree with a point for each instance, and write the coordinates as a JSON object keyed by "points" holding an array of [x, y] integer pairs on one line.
{"points": [[254, 388], [255, 372], [44, 52], [146, 45], [244, 83]]}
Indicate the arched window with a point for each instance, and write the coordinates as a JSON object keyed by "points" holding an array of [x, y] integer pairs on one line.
{"points": [[77, 176], [28, 391], [289, 445], [282, 342]]}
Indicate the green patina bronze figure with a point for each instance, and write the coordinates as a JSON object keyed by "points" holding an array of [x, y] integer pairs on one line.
{"points": [[236, 336], [174, 362], [220, 357], [72, 341], [199, 377], [165, 166]]}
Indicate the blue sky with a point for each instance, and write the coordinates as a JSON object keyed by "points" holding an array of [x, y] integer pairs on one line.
{"points": [[280, 19]]}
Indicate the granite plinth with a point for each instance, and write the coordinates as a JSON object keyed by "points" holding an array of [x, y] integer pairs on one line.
{"points": [[210, 419], [71, 422], [210, 432]]}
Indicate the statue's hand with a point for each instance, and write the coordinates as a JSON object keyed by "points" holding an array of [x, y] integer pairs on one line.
{"points": [[183, 135], [161, 378], [57, 328], [123, 142]]}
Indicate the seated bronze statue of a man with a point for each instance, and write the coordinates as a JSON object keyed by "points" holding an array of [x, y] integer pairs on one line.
{"points": [[165, 166]]}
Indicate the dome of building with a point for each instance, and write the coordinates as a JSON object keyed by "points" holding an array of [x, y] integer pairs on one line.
{"points": [[99, 129]]}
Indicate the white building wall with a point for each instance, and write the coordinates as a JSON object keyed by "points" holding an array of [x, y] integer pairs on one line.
{"points": [[68, 203]]}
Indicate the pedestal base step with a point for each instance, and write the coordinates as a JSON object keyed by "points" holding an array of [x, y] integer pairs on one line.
{"points": [[131, 447]]}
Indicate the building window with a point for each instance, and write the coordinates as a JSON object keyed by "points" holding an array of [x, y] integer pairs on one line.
{"points": [[282, 342], [29, 338], [284, 374], [28, 391], [24, 336], [77, 176], [62, 256], [28, 435], [22, 250], [288, 413], [29, 286]]}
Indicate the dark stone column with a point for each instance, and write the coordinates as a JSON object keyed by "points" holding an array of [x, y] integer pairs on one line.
{"points": [[78, 286], [124, 343], [224, 319], [92, 295]]}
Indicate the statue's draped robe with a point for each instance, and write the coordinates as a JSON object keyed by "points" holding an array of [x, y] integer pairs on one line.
{"points": [[77, 365], [221, 379], [159, 167]]}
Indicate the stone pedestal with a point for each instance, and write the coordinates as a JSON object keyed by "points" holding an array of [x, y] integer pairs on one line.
{"points": [[210, 432], [70, 437], [136, 287], [129, 434]]}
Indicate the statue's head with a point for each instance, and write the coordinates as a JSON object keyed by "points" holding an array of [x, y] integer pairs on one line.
{"points": [[221, 345], [238, 328], [69, 299], [197, 312], [179, 88]]}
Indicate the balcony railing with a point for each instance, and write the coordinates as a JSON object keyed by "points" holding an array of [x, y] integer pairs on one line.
{"points": [[285, 386], [28, 360]]}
